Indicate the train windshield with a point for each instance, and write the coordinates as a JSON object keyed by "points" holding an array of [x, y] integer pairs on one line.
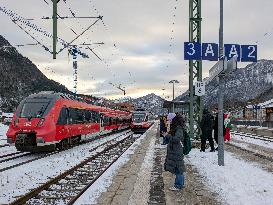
{"points": [[33, 109], [139, 117]]}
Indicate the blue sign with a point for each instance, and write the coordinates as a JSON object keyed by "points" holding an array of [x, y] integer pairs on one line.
{"points": [[233, 50], [249, 53], [192, 51], [210, 51]]}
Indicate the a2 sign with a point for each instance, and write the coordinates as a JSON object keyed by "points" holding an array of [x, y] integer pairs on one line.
{"points": [[210, 52]]}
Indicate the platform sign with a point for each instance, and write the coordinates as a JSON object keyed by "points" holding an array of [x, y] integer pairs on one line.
{"points": [[233, 50], [192, 51], [210, 51], [249, 53], [200, 88]]}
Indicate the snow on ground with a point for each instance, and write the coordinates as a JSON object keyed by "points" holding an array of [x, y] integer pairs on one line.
{"points": [[142, 186], [238, 182], [7, 150], [259, 142], [93, 193], [3, 131], [20, 180]]}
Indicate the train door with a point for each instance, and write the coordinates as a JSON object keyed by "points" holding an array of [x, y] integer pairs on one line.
{"points": [[101, 122], [63, 128], [67, 126]]}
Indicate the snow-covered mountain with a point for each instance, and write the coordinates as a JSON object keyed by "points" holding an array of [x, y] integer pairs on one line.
{"points": [[150, 102], [19, 77], [252, 83]]}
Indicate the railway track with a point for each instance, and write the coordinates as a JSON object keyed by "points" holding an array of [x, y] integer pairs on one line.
{"points": [[4, 145], [9, 157], [70, 185], [44, 155], [250, 152], [253, 136]]}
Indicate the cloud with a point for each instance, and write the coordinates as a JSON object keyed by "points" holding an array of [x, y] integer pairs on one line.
{"points": [[137, 36]]}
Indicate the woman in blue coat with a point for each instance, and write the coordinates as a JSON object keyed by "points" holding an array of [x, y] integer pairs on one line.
{"points": [[174, 162]]}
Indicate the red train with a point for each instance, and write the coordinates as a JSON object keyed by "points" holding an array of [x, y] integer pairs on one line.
{"points": [[140, 121], [48, 120]]}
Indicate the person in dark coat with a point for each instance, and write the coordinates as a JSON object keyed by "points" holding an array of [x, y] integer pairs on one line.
{"points": [[206, 127], [215, 128], [174, 162]]}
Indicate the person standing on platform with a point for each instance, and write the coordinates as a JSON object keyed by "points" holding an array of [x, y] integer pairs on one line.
{"points": [[215, 127], [206, 127], [227, 126], [163, 129], [174, 162], [161, 126]]}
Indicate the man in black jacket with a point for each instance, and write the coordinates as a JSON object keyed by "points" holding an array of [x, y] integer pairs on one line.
{"points": [[215, 127], [207, 127]]}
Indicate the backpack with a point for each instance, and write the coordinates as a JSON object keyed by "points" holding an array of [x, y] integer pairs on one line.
{"points": [[186, 143]]}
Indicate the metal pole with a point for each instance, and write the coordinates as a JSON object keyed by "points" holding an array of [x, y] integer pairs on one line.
{"points": [[173, 91], [195, 70], [220, 91], [55, 35], [173, 98]]}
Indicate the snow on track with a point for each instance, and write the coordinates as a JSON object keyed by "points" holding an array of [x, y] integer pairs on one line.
{"points": [[238, 182], [240, 137], [93, 193], [3, 137], [20, 180]]}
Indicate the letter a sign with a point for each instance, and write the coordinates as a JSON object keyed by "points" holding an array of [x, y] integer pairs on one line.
{"points": [[200, 88], [210, 51], [233, 50]]}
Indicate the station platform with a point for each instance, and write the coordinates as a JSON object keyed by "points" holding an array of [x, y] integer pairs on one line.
{"points": [[142, 180]]}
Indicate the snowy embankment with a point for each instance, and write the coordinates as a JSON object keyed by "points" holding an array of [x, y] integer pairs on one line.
{"points": [[241, 138], [3, 131], [20, 180], [93, 193], [238, 182]]}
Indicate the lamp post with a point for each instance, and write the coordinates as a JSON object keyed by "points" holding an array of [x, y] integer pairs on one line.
{"points": [[173, 82]]}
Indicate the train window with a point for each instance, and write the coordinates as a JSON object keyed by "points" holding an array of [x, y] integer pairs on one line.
{"points": [[79, 116], [115, 121], [63, 117], [95, 117], [33, 109], [88, 116], [73, 115], [106, 121], [139, 117]]}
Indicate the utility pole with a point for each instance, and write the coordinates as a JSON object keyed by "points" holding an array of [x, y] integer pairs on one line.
{"points": [[220, 89], [173, 82], [55, 24], [195, 69]]}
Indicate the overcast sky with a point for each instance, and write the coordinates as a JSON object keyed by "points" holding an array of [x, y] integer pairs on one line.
{"points": [[143, 39]]}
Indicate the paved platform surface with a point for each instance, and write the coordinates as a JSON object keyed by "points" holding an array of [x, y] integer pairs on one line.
{"points": [[142, 180]]}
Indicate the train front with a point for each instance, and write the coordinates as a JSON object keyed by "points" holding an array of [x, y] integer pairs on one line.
{"points": [[33, 128], [140, 122]]}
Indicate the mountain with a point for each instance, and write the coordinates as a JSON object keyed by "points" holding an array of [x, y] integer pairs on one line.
{"points": [[150, 102], [253, 83], [20, 77]]}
